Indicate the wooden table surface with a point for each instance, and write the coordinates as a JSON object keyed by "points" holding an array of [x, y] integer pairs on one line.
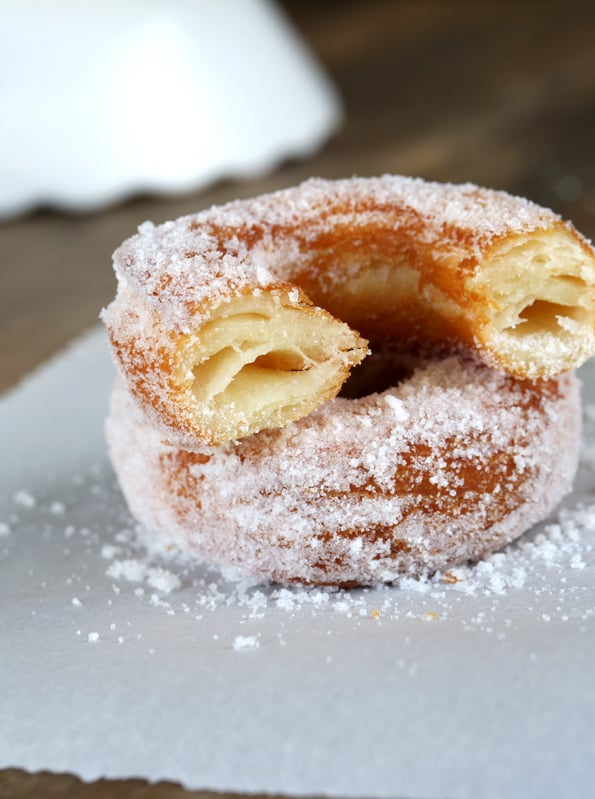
{"points": [[499, 93]]}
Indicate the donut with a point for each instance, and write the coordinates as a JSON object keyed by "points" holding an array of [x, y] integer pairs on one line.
{"points": [[450, 463], [243, 318]]}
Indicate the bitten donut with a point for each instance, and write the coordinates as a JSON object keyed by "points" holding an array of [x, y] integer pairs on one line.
{"points": [[452, 463], [243, 318]]}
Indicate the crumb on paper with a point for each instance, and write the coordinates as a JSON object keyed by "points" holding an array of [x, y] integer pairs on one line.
{"points": [[109, 551], [93, 638], [131, 569], [242, 642], [163, 580], [25, 499], [135, 571]]}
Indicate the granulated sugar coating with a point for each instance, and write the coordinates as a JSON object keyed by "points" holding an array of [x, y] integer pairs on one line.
{"points": [[248, 316], [447, 467], [458, 221], [234, 329], [542, 569]]}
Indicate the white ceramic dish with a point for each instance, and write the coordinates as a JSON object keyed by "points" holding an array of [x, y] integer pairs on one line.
{"points": [[101, 100]]}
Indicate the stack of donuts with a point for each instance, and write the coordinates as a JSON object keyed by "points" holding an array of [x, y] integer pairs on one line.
{"points": [[348, 381]]}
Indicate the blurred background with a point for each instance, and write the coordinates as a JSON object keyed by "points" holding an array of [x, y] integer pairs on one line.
{"points": [[499, 93]]}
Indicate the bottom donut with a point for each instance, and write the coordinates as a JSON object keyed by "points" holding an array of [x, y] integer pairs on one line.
{"points": [[449, 465]]}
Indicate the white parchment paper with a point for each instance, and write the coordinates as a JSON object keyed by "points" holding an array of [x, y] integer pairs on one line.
{"points": [[480, 687]]}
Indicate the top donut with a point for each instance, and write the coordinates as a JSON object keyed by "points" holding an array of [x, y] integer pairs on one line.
{"points": [[243, 317]]}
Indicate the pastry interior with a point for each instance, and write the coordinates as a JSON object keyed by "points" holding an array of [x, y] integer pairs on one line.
{"points": [[540, 301], [262, 360]]}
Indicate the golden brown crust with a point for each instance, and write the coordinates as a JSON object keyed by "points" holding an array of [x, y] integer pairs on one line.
{"points": [[450, 465], [410, 265]]}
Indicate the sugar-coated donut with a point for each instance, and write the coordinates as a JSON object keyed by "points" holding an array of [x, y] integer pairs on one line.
{"points": [[452, 463], [218, 327]]}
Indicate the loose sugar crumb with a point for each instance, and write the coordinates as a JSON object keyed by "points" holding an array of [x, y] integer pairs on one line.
{"points": [[242, 642], [4, 529], [25, 499], [109, 551], [146, 227], [163, 580], [132, 570], [93, 638]]}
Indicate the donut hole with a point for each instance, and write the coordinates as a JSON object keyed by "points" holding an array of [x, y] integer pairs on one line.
{"points": [[378, 372]]}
